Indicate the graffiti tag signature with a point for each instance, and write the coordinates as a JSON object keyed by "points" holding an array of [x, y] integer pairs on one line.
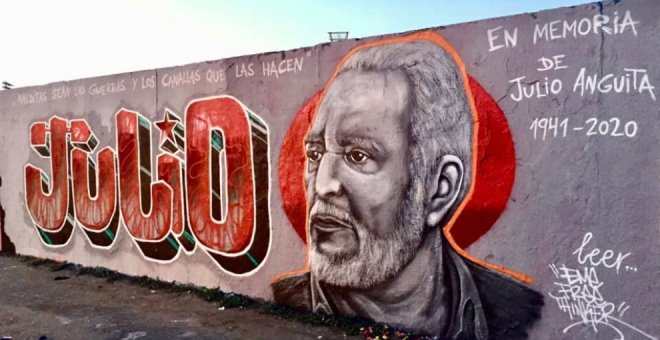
{"points": [[578, 293]]}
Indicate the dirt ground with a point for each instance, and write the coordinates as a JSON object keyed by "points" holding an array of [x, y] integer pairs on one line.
{"points": [[38, 302]]}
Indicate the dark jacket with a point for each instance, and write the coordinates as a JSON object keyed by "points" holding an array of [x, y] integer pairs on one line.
{"points": [[485, 304]]}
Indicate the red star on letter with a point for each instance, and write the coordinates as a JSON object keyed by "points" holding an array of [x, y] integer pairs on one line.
{"points": [[166, 125]]}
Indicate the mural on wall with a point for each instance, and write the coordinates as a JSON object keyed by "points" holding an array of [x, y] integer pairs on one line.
{"points": [[395, 186], [405, 178], [213, 203], [392, 173]]}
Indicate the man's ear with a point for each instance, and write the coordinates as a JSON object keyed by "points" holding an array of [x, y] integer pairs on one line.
{"points": [[446, 187]]}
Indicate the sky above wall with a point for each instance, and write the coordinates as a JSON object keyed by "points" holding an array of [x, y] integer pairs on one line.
{"points": [[48, 41]]}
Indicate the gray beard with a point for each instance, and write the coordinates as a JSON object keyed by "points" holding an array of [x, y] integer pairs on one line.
{"points": [[380, 257]]}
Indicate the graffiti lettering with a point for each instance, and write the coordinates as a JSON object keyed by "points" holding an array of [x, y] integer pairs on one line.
{"points": [[222, 169], [79, 90], [177, 79], [553, 63], [537, 89], [215, 76], [597, 24], [94, 186], [144, 82], [554, 127], [60, 92], [49, 202], [578, 292], [632, 80], [245, 70], [107, 88], [146, 207], [35, 97], [275, 69], [593, 256], [510, 39], [226, 154]]}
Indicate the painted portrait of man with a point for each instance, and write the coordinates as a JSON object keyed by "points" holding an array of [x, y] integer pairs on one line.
{"points": [[389, 160]]}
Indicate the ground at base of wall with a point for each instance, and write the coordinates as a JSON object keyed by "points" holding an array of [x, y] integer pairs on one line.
{"points": [[42, 299]]}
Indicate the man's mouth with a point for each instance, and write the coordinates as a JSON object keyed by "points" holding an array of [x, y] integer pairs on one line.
{"points": [[333, 236], [329, 224]]}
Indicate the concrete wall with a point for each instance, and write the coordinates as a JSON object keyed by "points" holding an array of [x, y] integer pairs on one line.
{"points": [[559, 181]]}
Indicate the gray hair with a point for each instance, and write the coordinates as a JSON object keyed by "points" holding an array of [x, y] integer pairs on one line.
{"points": [[440, 117]]}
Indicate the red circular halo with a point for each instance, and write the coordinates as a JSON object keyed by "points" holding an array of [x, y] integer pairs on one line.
{"points": [[493, 181]]}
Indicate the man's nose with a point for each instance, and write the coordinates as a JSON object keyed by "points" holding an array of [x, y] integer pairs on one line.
{"points": [[327, 184]]}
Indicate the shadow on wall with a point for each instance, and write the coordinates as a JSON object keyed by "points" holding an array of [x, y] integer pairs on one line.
{"points": [[6, 246]]}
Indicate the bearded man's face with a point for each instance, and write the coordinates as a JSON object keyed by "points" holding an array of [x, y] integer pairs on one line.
{"points": [[357, 181]]}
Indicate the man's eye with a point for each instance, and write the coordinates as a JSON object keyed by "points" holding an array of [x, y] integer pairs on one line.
{"points": [[314, 155], [357, 156]]}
